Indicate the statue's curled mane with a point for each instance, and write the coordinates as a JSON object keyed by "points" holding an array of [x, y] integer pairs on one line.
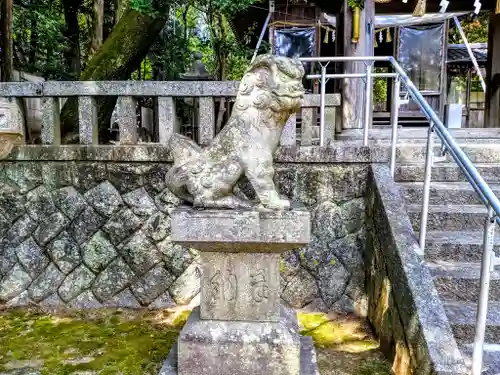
{"points": [[262, 75]]}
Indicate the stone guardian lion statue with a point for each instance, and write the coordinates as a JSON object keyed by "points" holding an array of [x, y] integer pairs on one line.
{"points": [[271, 90]]}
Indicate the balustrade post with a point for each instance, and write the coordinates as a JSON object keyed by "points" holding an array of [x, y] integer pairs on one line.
{"points": [[87, 119], [308, 117], [206, 120], [167, 120], [487, 266], [429, 156], [127, 120], [330, 113], [396, 86], [51, 122], [289, 134]]}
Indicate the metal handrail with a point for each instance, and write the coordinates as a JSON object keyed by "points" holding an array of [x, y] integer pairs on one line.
{"points": [[489, 259], [436, 126], [450, 143]]}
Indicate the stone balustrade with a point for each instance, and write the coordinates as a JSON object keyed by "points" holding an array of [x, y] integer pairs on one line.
{"points": [[127, 91]]}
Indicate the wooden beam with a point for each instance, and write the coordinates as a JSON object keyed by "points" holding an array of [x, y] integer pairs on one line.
{"points": [[353, 90], [7, 68], [492, 111]]}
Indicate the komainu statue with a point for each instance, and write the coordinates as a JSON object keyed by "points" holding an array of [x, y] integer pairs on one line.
{"points": [[271, 90]]}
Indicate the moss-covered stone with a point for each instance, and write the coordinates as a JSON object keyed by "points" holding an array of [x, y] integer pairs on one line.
{"points": [[105, 341], [111, 341], [344, 345]]}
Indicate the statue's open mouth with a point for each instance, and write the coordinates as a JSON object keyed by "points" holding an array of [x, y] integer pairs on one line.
{"points": [[288, 94]]}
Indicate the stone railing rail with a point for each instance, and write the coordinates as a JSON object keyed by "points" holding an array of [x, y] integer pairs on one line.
{"points": [[165, 91]]}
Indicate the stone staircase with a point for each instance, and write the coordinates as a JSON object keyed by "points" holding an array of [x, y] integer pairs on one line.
{"points": [[455, 236]]}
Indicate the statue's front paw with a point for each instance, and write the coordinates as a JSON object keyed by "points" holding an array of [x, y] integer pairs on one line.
{"points": [[278, 204]]}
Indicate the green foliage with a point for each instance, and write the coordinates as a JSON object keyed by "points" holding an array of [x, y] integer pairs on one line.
{"points": [[107, 341], [356, 4], [202, 26], [380, 87], [194, 25], [475, 29], [143, 6], [38, 37]]}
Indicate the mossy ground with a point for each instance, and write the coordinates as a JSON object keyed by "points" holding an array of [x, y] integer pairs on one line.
{"points": [[136, 342], [344, 345]]}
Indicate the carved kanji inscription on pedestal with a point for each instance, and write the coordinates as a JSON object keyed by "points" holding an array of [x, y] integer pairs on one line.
{"points": [[240, 286]]}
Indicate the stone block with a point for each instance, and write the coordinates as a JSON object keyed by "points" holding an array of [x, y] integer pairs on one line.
{"points": [[46, 284], [300, 290], [14, 283], [162, 302], [175, 257], [69, 201], [32, 257], [76, 282], [308, 364], [152, 285], [187, 285], [12, 203], [208, 347], [85, 225], [140, 253], [240, 286], [65, 252], [20, 230], [140, 202], [86, 300], [122, 225], [40, 203], [241, 230], [104, 198], [98, 252], [123, 299], [26, 176], [157, 227], [116, 277], [8, 258], [50, 227]]}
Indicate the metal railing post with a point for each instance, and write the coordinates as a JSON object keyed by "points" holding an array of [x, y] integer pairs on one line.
{"points": [[368, 103], [322, 107], [427, 187], [396, 86], [487, 265]]}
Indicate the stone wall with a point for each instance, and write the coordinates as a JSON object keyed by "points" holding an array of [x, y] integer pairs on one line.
{"points": [[90, 227], [403, 305]]}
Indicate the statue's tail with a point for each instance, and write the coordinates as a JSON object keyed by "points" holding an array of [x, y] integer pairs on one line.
{"points": [[182, 148]]}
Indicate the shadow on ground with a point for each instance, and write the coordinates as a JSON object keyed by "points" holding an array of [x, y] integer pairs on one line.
{"points": [[344, 344], [130, 342]]}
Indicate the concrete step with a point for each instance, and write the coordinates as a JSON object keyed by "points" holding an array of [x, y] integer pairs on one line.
{"points": [[458, 246], [419, 133], [445, 172], [449, 217], [462, 317], [460, 281], [445, 192], [478, 152], [491, 357]]}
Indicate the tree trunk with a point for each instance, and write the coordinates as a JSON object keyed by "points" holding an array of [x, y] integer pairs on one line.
{"points": [[7, 44], [33, 40], [72, 33], [109, 19], [120, 7], [120, 55], [97, 26]]}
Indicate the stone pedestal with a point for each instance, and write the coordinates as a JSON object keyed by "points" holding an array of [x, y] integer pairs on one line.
{"points": [[240, 327]]}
